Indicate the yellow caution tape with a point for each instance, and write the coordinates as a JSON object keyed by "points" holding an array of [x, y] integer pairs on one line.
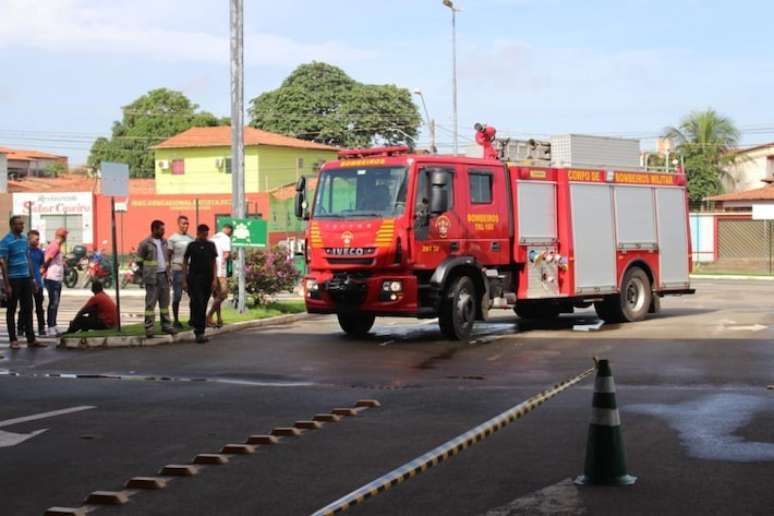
{"points": [[447, 449]]}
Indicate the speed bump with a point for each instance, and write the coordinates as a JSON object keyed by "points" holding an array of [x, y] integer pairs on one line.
{"points": [[308, 425], [238, 449], [344, 412], [107, 498], [179, 470], [262, 439], [368, 404], [286, 431], [211, 459], [65, 511], [327, 418], [146, 483]]}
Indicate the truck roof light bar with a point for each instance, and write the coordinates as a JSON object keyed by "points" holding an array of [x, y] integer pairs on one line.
{"points": [[374, 151]]}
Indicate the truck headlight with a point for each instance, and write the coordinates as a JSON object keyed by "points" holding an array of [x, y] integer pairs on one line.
{"points": [[311, 285]]}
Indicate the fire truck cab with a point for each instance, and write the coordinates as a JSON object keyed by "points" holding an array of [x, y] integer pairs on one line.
{"points": [[395, 233]]}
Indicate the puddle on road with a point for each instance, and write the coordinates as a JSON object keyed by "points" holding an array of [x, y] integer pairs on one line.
{"points": [[706, 426]]}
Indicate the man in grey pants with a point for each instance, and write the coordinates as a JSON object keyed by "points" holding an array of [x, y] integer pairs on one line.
{"points": [[154, 253]]}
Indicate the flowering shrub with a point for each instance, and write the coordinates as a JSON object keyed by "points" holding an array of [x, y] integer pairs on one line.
{"points": [[267, 273]]}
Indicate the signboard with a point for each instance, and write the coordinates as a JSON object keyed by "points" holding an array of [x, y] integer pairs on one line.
{"points": [[73, 210], [249, 233], [115, 179], [763, 211]]}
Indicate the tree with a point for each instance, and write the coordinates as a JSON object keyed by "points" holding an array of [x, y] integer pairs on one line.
{"points": [[54, 169], [321, 103], [706, 141], [150, 119]]}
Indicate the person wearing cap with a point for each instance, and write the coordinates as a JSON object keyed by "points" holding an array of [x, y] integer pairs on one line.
{"points": [[53, 275], [200, 278]]}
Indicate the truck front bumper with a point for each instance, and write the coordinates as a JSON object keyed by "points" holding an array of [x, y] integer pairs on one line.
{"points": [[376, 293]]}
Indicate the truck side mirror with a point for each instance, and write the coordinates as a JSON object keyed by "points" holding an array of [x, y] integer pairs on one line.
{"points": [[299, 206], [439, 198]]}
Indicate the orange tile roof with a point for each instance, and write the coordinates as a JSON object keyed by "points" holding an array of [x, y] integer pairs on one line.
{"points": [[26, 155], [221, 137], [765, 193], [74, 183]]}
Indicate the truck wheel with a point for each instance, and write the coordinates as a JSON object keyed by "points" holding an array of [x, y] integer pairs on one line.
{"points": [[458, 309], [356, 325], [536, 310], [632, 304]]}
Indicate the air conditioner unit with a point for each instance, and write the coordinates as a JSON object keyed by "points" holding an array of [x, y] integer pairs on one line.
{"points": [[163, 164], [219, 162]]}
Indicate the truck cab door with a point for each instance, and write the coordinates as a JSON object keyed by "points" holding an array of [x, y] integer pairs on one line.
{"points": [[486, 215], [437, 236]]}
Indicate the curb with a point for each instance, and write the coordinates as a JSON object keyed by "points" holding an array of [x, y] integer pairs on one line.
{"points": [[731, 277], [185, 336]]}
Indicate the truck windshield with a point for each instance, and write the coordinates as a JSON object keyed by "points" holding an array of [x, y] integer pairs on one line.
{"points": [[361, 192]]}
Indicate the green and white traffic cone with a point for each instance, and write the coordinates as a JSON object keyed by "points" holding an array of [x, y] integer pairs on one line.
{"points": [[605, 457]]}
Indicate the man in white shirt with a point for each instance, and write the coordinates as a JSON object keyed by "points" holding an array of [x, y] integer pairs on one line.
{"points": [[222, 241], [178, 243], [153, 252]]}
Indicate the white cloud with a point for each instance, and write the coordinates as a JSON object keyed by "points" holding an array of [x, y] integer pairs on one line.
{"points": [[80, 26]]}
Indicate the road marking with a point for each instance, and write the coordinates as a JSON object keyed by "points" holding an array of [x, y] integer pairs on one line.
{"points": [[8, 439], [560, 498], [751, 327], [387, 342]]}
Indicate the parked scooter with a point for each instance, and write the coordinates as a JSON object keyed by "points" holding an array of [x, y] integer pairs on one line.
{"points": [[99, 268], [75, 261]]}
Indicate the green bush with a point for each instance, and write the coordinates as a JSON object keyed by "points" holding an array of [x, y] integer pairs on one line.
{"points": [[267, 273]]}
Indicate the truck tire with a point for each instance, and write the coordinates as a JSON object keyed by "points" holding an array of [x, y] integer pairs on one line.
{"points": [[356, 325], [632, 304], [458, 309], [536, 310]]}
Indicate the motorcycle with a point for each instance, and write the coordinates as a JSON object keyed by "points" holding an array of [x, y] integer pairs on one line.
{"points": [[133, 276], [99, 268], [75, 261]]}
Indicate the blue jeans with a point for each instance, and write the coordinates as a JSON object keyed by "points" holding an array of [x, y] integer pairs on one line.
{"points": [[177, 292], [54, 289]]}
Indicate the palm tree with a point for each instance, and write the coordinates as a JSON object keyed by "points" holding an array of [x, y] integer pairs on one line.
{"points": [[706, 141]]}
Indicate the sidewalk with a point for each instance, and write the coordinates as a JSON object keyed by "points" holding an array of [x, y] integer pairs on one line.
{"points": [[731, 277]]}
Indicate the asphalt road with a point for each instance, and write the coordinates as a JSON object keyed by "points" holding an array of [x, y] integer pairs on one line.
{"points": [[698, 420]]}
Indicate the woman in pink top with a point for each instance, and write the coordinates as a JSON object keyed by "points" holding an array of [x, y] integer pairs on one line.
{"points": [[53, 270]]}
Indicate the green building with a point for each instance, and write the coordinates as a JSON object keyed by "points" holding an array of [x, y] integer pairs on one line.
{"points": [[198, 161]]}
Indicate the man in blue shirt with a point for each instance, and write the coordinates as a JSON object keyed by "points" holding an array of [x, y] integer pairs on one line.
{"points": [[18, 281], [36, 260]]}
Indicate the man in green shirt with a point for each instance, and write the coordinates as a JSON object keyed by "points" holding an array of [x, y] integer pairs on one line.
{"points": [[178, 243]]}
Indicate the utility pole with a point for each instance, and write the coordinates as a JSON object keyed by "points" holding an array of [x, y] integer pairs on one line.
{"points": [[430, 123], [454, 11], [237, 133]]}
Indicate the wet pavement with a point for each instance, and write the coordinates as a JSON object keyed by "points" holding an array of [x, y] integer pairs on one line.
{"points": [[698, 419]]}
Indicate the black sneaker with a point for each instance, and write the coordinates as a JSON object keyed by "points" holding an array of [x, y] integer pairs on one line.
{"points": [[201, 339], [177, 325], [169, 330]]}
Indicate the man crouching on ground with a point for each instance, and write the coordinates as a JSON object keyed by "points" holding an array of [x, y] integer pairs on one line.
{"points": [[99, 312]]}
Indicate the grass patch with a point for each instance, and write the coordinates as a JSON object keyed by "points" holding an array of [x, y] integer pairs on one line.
{"points": [[230, 315]]}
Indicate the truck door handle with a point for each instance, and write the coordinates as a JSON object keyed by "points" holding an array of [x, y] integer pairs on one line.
{"points": [[495, 246], [454, 246]]}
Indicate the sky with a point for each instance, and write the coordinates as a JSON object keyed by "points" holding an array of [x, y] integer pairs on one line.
{"points": [[531, 68]]}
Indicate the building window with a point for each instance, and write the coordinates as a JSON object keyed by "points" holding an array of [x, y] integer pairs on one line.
{"points": [[480, 187], [178, 167], [227, 166]]}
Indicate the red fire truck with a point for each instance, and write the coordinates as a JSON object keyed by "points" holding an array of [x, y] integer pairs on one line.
{"points": [[395, 233]]}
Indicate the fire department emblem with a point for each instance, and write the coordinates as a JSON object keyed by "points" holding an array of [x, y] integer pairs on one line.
{"points": [[443, 224], [347, 238]]}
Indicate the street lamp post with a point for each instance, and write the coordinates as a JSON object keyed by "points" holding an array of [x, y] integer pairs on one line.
{"points": [[454, 11], [236, 19], [430, 123]]}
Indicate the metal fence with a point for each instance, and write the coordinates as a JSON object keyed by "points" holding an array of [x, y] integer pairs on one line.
{"points": [[744, 246]]}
